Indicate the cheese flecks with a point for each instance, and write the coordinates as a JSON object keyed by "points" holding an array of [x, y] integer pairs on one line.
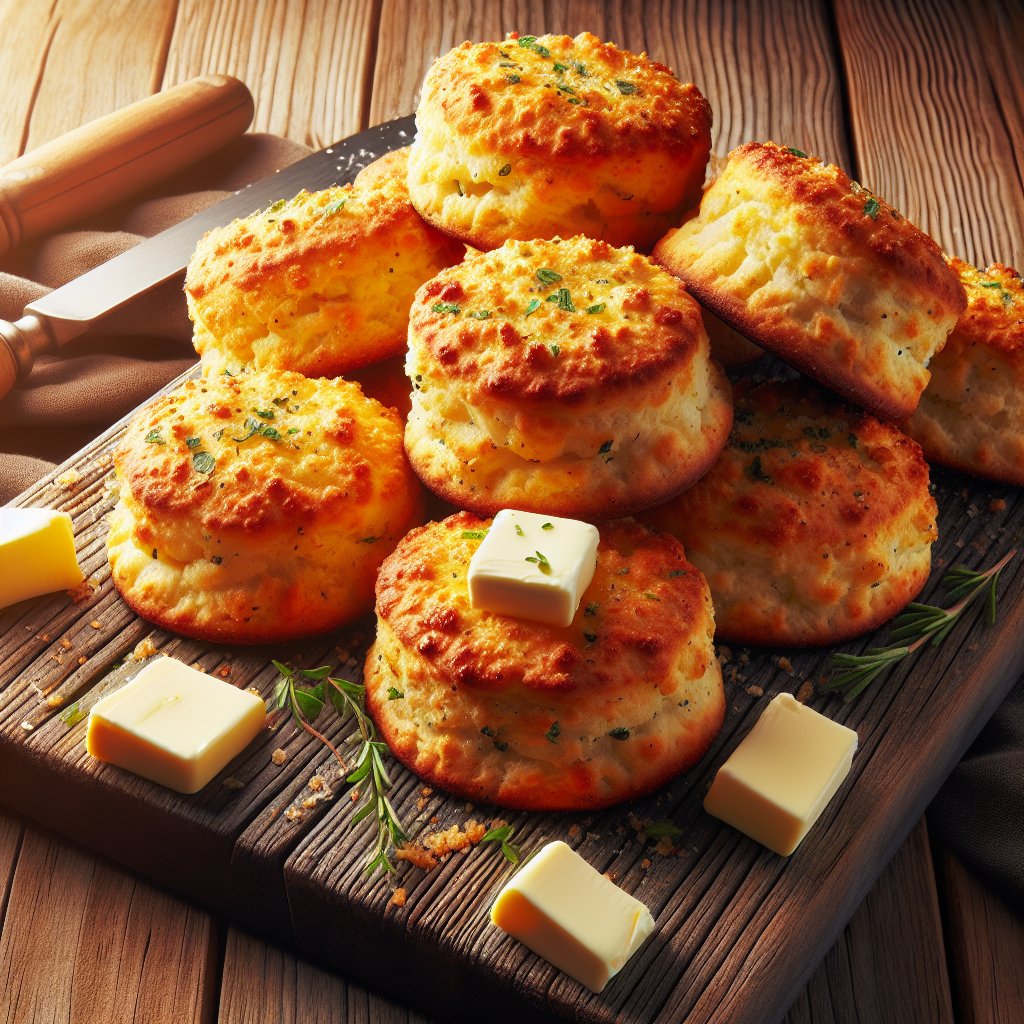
{"points": [[776, 783], [571, 915], [174, 725], [37, 554], [533, 566]]}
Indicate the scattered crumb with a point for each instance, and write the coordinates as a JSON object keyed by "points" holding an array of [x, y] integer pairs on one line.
{"points": [[318, 783], [83, 592], [997, 505], [279, 756], [82, 659], [786, 665], [426, 791], [398, 897], [646, 863], [54, 700], [232, 783], [354, 794], [144, 649], [69, 479], [429, 850], [754, 691], [65, 643], [224, 671], [806, 691], [96, 624], [293, 814], [575, 831]]}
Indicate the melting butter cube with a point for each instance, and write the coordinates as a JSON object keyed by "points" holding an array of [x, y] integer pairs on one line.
{"points": [[37, 554], [779, 779], [174, 725], [572, 916], [533, 566]]}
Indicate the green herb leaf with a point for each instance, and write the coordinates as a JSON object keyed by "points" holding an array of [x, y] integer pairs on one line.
{"points": [[394, 693], [662, 830], [532, 307], [598, 307], [445, 307], [153, 437], [192, 442], [203, 462], [626, 88], [474, 534], [546, 276], [547, 526], [519, 530], [555, 349], [606, 447], [563, 299], [501, 836], [796, 152], [619, 734], [506, 170], [554, 732], [73, 714], [479, 314], [871, 208], [540, 561]]}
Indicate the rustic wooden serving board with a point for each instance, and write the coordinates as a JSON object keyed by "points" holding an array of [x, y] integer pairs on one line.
{"points": [[738, 929]]}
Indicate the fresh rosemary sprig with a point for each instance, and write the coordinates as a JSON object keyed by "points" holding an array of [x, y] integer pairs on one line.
{"points": [[923, 621], [305, 692]]}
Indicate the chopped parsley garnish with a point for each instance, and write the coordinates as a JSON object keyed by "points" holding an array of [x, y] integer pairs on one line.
{"points": [[796, 152], [203, 462], [756, 471], [553, 733], [501, 835], [540, 561], [264, 414], [255, 427], [530, 43], [479, 314], [445, 307], [153, 437], [606, 447], [563, 299], [555, 350], [562, 87], [651, 597], [547, 526], [394, 694], [871, 207], [546, 276], [532, 307], [581, 69], [512, 79], [192, 442], [591, 609], [474, 534], [73, 714], [626, 88], [507, 169], [620, 733], [332, 207], [519, 530], [598, 307], [590, 637]]}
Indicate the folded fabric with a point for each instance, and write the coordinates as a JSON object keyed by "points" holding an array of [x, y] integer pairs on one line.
{"points": [[71, 397]]}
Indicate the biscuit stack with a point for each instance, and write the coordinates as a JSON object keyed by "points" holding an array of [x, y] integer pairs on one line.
{"points": [[550, 365]]}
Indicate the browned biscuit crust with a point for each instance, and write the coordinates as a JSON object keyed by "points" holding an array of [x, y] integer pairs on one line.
{"points": [[319, 284], [529, 715], [971, 415], [813, 267], [814, 526], [554, 135], [568, 377], [258, 508]]}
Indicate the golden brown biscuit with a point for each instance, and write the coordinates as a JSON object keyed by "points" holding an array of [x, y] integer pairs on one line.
{"points": [[971, 414], [258, 508], [816, 269], [529, 715], [814, 526], [320, 284], [567, 377], [542, 136]]}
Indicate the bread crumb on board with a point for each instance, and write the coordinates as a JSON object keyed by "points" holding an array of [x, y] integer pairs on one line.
{"points": [[398, 897], [429, 850]]}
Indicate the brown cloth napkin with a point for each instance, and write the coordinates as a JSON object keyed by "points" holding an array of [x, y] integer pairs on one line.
{"points": [[71, 397]]}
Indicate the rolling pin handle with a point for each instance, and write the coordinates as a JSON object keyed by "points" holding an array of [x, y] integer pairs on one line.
{"points": [[20, 343]]}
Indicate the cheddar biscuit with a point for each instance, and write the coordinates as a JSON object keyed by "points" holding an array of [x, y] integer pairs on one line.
{"points": [[814, 526], [552, 135], [535, 716], [319, 284], [971, 415], [813, 267], [258, 508], [556, 376]]}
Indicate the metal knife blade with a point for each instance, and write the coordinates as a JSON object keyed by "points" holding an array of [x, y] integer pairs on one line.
{"points": [[68, 311]]}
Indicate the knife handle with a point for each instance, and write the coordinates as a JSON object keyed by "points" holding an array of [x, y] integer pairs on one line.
{"points": [[109, 158]]}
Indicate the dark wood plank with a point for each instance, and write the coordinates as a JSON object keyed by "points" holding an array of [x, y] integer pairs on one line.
{"points": [[986, 943], [886, 967]]}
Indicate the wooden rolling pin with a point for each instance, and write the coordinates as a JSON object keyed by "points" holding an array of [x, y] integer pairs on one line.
{"points": [[115, 156]]}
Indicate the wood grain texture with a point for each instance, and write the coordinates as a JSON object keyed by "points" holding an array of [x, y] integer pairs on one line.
{"points": [[987, 948], [935, 93], [265, 983], [111, 938], [53, 46], [306, 63]]}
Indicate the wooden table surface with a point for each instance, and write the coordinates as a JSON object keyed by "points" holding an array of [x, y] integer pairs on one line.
{"points": [[922, 101]]}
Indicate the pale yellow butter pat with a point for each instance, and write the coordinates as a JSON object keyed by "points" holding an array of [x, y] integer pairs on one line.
{"points": [[533, 566], [777, 782], [37, 554], [571, 915], [174, 725]]}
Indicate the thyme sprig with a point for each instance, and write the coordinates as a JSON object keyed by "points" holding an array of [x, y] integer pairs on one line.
{"points": [[501, 836], [305, 692], [924, 622]]}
